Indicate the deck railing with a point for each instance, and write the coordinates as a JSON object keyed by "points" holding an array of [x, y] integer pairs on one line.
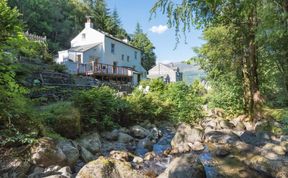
{"points": [[93, 68]]}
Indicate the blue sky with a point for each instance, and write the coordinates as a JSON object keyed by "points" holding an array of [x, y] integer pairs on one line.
{"points": [[133, 11]]}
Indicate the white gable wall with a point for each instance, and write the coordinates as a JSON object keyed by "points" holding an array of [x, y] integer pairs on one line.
{"points": [[91, 37]]}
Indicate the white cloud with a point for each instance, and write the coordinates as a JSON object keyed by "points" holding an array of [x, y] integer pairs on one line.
{"points": [[159, 29]]}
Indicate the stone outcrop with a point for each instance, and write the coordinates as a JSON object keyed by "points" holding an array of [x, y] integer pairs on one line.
{"points": [[45, 153], [108, 168]]}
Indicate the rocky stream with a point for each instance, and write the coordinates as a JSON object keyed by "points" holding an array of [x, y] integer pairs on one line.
{"points": [[213, 148]]}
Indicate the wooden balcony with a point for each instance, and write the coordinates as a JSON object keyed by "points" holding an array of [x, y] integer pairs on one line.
{"points": [[99, 69]]}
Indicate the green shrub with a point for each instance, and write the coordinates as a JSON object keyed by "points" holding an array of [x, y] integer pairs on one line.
{"points": [[175, 101], [149, 106], [100, 107], [63, 118], [187, 101]]}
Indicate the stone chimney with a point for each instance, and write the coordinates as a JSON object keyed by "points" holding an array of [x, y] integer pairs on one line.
{"points": [[88, 23]]}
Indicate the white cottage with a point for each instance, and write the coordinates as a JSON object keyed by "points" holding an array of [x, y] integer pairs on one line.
{"points": [[169, 72], [103, 56]]}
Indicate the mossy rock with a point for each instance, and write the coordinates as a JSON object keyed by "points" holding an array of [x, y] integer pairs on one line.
{"points": [[108, 168]]}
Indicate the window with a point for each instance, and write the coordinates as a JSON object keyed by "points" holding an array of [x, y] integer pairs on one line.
{"points": [[122, 57], [83, 36], [112, 48], [128, 58], [135, 54]]}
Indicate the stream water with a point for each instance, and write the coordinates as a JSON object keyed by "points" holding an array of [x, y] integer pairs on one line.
{"points": [[161, 161]]}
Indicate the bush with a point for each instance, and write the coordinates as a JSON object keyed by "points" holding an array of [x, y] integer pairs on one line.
{"points": [[176, 101], [63, 118], [100, 107], [149, 106], [186, 100]]}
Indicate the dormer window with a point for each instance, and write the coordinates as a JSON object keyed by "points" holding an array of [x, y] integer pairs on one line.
{"points": [[135, 54], [128, 58], [112, 48], [83, 36]]}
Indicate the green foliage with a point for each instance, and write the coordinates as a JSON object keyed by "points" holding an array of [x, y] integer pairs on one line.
{"points": [[141, 41], [63, 118], [147, 107], [176, 101], [99, 107], [186, 101], [58, 20], [13, 137]]}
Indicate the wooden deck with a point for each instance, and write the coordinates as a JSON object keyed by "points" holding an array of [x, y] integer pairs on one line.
{"points": [[106, 71]]}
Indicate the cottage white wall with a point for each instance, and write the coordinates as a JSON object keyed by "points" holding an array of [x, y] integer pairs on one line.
{"points": [[121, 49], [93, 53], [61, 56], [91, 36]]}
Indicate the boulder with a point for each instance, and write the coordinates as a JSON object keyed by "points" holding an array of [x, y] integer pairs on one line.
{"points": [[149, 156], [196, 146], [221, 137], [108, 168], [111, 136], [186, 165], [119, 155], [124, 138], [91, 142], [52, 172], [146, 143], [45, 153], [272, 151], [14, 167], [138, 160], [139, 132], [222, 151], [86, 155], [186, 134], [273, 168], [71, 152]]}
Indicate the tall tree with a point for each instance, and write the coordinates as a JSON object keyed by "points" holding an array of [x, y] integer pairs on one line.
{"points": [[141, 41], [59, 25], [243, 15]]}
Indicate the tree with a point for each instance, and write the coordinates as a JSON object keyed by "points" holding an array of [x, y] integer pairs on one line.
{"points": [[12, 102], [138, 29], [59, 25], [244, 18], [141, 41]]}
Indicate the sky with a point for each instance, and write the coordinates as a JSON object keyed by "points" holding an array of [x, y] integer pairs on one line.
{"points": [[133, 11]]}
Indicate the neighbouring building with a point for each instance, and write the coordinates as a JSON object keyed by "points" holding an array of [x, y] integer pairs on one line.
{"points": [[168, 72], [99, 54], [178, 71]]}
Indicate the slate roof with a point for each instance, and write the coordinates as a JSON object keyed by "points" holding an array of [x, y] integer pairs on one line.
{"points": [[83, 48]]}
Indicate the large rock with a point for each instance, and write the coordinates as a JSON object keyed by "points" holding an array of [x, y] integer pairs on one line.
{"points": [[186, 165], [139, 132], [108, 168], [273, 168], [221, 137], [272, 151], [124, 138], [86, 155], [45, 153], [91, 142], [52, 172], [186, 134], [146, 143], [71, 152], [111, 136], [14, 167]]}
